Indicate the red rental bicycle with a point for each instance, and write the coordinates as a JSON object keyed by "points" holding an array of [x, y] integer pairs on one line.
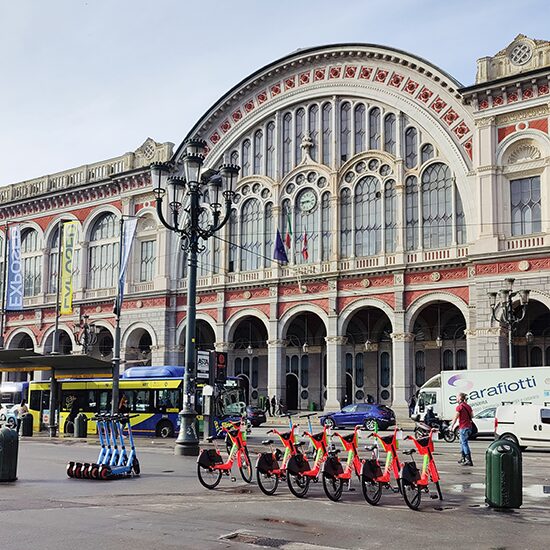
{"points": [[210, 465], [299, 473], [268, 471], [373, 478], [414, 482], [334, 474]]}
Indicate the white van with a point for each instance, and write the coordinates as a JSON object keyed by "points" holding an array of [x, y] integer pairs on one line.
{"points": [[526, 424]]}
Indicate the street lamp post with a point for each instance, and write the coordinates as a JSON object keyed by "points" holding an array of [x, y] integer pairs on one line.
{"points": [[86, 334], [191, 199], [507, 316]]}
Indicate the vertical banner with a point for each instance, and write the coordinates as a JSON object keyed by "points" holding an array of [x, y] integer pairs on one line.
{"points": [[14, 298], [68, 245], [128, 232]]}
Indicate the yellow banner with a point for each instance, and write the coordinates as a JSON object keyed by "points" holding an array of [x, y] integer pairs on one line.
{"points": [[68, 248]]}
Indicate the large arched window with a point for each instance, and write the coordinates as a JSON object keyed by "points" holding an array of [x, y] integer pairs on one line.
{"points": [[258, 151], [411, 213], [287, 143], [233, 240], [268, 235], [345, 223], [389, 133], [251, 235], [270, 148], [103, 253], [360, 128], [525, 205], [314, 130], [325, 225], [31, 262], [327, 133], [374, 128], [345, 131], [437, 206], [307, 222], [390, 215], [300, 132], [245, 158], [411, 147], [146, 248], [368, 216]]}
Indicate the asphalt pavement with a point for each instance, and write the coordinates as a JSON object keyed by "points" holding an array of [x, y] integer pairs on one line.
{"points": [[167, 508]]}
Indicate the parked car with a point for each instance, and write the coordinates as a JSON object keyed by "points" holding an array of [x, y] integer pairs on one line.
{"points": [[527, 425], [8, 415], [255, 416], [485, 422], [360, 413]]}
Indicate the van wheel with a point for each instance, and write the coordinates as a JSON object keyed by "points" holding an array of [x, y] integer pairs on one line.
{"points": [[165, 429], [512, 437]]}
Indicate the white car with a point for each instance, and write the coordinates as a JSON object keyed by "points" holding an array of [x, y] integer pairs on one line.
{"points": [[8, 415], [485, 422], [527, 425]]}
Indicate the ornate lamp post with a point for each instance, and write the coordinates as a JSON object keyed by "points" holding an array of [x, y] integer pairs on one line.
{"points": [[192, 210], [507, 316], [86, 334]]}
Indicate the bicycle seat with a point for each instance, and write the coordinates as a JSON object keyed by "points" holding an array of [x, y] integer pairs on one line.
{"points": [[370, 447], [409, 452], [267, 441], [349, 438]]}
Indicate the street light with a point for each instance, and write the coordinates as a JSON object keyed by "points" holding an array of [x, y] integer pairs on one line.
{"points": [[508, 316], [188, 198], [86, 334]]}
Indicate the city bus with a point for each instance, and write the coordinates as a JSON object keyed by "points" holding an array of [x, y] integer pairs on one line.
{"points": [[13, 392], [153, 394]]}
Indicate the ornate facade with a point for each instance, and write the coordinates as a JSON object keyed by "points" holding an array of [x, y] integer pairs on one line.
{"points": [[413, 195]]}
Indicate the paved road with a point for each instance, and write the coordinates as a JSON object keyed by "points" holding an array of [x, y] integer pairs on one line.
{"points": [[167, 508]]}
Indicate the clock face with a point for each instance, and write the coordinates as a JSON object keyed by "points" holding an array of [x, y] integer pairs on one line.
{"points": [[308, 200]]}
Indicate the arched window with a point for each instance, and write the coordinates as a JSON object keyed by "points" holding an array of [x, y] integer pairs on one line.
{"points": [[411, 147], [427, 152], [234, 157], [345, 223], [374, 128], [300, 131], [147, 246], [287, 143], [437, 213], [268, 234], [245, 158], [238, 366], [359, 370], [368, 216], [411, 212], [325, 223], [251, 235], [31, 263], [390, 215], [307, 221], [270, 143], [52, 262], [254, 377], [327, 134], [233, 236], [360, 128], [419, 368], [258, 152], [536, 357], [246, 367], [103, 253], [345, 131], [460, 220], [294, 365], [204, 258], [448, 360], [525, 206], [314, 130], [304, 371], [461, 359], [389, 133], [385, 370]]}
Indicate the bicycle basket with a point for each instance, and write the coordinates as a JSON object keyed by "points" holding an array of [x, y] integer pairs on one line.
{"points": [[371, 469], [209, 458], [266, 463], [332, 466], [297, 464], [410, 472]]}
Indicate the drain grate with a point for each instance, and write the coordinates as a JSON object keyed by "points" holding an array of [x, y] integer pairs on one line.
{"points": [[256, 540]]}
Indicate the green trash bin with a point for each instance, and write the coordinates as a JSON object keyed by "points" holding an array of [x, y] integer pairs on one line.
{"points": [[312, 406], [9, 449], [81, 425], [503, 475], [26, 425]]}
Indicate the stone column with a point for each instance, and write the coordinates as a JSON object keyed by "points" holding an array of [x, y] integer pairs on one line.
{"points": [[336, 383], [402, 375], [276, 355]]}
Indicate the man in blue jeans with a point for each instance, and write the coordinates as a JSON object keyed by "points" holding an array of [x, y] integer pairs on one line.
{"points": [[464, 416]]}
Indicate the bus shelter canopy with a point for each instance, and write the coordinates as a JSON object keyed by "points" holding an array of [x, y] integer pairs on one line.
{"points": [[72, 366], [18, 360]]}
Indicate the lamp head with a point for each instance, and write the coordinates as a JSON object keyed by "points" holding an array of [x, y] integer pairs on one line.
{"points": [[492, 298], [439, 342], [524, 296], [229, 173], [305, 348]]}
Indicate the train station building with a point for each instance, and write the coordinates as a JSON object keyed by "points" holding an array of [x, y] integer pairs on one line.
{"points": [[403, 197]]}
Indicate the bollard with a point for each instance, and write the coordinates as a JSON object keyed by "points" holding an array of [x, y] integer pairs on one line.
{"points": [[9, 449], [81, 425], [26, 425], [503, 475]]}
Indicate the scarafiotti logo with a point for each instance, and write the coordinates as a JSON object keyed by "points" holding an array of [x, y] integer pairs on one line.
{"points": [[460, 383]]}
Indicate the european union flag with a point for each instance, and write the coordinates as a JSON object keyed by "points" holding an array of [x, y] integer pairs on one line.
{"points": [[279, 253]]}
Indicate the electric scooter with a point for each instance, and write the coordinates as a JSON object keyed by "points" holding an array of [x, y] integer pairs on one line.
{"points": [[122, 464]]}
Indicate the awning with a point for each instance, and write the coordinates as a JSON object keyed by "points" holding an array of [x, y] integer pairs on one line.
{"points": [[18, 360], [72, 366]]}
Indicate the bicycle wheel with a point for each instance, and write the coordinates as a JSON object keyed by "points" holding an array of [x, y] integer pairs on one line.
{"points": [[372, 491], [333, 487], [449, 436], [412, 494], [208, 477], [267, 482], [246, 467], [298, 484]]}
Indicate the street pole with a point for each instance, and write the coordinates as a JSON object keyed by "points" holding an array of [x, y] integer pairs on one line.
{"points": [[116, 346]]}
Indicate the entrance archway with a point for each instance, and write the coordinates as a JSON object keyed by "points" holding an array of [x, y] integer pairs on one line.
{"points": [[291, 392]]}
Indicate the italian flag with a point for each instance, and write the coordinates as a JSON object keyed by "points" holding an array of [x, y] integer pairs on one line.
{"points": [[288, 236]]}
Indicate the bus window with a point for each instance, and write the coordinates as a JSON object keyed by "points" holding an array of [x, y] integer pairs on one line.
{"points": [[104, 400], [138, 400], [35, 399], [85, 401], [167, 400]]}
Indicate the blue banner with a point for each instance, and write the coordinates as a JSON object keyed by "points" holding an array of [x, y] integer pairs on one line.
{"points": [[14, 296]]}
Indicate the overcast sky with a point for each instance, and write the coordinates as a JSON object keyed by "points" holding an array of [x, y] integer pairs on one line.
{"points": [[87, 80]]}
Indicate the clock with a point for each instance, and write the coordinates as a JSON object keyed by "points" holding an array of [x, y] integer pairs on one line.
{"points": [[308, 200]]}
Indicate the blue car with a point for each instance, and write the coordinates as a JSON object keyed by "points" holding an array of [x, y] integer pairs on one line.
{"points": [[360, 413]]}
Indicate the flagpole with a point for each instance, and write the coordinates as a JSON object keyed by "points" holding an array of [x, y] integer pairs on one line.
{"points": [[4, 289], [55, 340], [116, 348]]}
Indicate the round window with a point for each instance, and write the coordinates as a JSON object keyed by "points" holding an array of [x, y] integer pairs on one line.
{"points": [[359, 395], [304, 394], [385, 394], [254, 394]]}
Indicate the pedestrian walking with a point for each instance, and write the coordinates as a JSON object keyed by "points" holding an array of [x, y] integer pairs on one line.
{"points": [[21, 411], [274, 405], [267, 406], [412, 404], [464, 416], [281, 408]]}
